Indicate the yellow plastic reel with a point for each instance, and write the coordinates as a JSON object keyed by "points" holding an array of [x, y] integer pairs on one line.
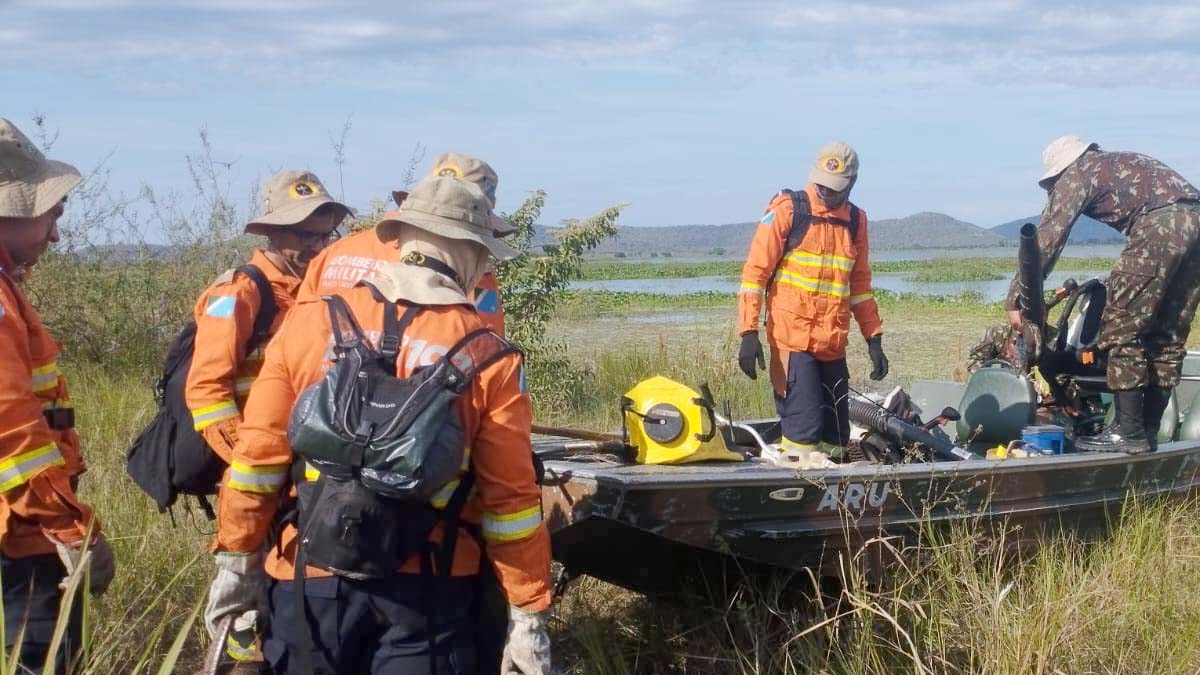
{"points": [[668, 425]]}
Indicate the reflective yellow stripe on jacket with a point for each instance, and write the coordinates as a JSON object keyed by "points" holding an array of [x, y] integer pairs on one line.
{"points": [[45, 378], [813, 284], [209, 415], [267, 478], [16, 471], [512, 526]]}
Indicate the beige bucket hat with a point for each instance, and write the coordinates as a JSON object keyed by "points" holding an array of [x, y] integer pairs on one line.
{"points": [[30, 184], [449, 207], [477, 171], [1062, 153], [289, 197], [835, 167]]}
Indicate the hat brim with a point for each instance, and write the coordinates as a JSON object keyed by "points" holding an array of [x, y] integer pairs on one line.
{"points": [[294, 214], [833, 181], [30, 199], [389, 230], [1064, 163]]}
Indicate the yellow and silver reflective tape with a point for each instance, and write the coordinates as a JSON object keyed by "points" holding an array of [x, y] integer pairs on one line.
{"points": [[442, 498], [512, 526], [267, 478], [16, 471], [237, 652], [788, 444], [750, 287], [209, 415], [311, 472], [466, 463], [823, 286], [45, 378], [861, 297], [807, 259]]}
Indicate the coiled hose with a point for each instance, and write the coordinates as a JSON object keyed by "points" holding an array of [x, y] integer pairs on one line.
{"points": [[876, 418]]}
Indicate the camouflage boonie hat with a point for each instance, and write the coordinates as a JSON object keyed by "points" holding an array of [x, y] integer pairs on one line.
{"points": [[836, 165], [30, 184], [289, 197]]}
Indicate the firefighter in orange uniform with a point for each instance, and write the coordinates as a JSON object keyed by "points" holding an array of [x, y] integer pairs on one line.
{"points": [[347, 261], [43, 523], [814, 272], [382, 625], [298, 219]]}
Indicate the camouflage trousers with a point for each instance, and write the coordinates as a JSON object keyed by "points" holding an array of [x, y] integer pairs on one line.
{"points": [[1152, 295]]}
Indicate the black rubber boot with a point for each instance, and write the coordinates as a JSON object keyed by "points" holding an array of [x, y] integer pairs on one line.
{"points": [[1157, 400], [1127, 433]]}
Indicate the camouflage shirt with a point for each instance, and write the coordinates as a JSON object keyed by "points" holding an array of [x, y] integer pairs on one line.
{"points": [[1115, 188]]}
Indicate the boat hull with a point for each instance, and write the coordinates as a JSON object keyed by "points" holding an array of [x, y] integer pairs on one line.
{"points": [[665, 528]]}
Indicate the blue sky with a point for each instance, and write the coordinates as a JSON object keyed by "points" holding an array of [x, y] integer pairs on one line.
{"points": [[692, 112]]}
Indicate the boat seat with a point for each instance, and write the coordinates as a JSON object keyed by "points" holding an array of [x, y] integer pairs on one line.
{"points": [[998, 403]]}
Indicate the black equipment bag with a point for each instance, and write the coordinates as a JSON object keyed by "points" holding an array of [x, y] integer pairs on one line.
{"points": [[170, 457], [384, 445]]}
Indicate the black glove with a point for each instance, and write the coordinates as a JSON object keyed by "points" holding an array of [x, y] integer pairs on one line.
{"points": [[878, 358], [750, 352]]}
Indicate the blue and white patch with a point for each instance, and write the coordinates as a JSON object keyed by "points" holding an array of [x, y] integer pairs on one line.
{"points": [[487, 301], [220, 306], [524, 383], [768, 218]]}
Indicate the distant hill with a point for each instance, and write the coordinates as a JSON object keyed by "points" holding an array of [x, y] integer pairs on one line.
{"points": [[921, 230], [1086, 231]]}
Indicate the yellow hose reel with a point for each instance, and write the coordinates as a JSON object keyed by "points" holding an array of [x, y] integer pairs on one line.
{"points": [[670, 423]]}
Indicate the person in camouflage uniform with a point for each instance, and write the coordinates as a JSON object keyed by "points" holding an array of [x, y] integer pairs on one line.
{"points": [[1154, 286], [998, 343]]}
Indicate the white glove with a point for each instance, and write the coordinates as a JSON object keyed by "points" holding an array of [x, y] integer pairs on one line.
{"points": [[99, 555], [527, 645], [239, 588]]}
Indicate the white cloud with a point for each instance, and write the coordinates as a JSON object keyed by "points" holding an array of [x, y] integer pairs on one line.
{"points": [[1096, 44]]}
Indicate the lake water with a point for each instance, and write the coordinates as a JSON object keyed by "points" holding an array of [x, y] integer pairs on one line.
{"points": [[1104, 251], [897, 282]]}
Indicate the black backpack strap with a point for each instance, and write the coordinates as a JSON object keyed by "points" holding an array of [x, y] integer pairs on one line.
{"points": [[393, 327], [267, 307], [801, 219], [491, 353], [346, 332], [855, 221]]}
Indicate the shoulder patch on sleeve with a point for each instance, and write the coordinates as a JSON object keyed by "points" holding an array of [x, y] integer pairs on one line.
{"points": [[487, 301], [768, 218], [220, 306], [224, 278]]}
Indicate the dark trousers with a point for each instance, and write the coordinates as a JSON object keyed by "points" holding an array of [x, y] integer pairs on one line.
{"points": [[1152, 296], [31, 603], [816, 406], [380, 627]]}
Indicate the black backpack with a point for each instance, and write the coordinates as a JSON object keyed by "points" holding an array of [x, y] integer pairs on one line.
{"points": [[170, 457], [385, 446]]}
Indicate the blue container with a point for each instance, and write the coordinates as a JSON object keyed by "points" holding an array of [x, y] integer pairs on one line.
{"points": [[1049, 438]]}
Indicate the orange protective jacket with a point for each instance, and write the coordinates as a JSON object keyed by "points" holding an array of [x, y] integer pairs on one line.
{"points": [[222, 372], [812, 290], [346, 261], [496, 417], [38, 465]]}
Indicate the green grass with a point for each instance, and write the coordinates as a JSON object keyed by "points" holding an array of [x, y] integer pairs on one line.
{"points": [[939, 269]]}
